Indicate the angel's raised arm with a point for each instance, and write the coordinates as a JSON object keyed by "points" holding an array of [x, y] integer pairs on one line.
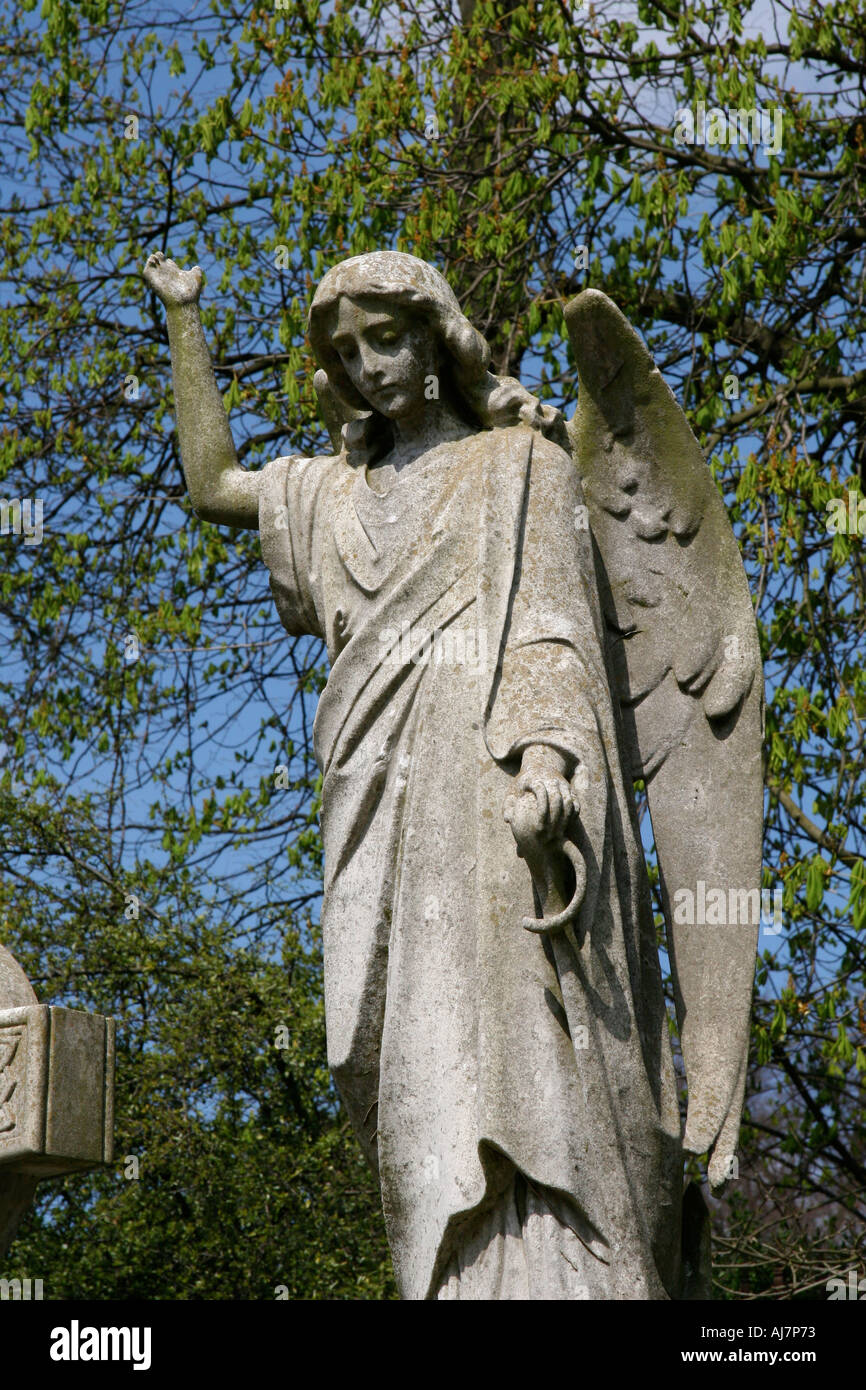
{"points": [[219, 489]]}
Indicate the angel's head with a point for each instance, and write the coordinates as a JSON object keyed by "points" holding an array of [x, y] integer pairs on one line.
{"points": [[389, 335]]}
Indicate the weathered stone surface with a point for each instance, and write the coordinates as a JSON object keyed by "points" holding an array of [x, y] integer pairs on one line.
{"points": [[686, 665], [56, 1093], [15, 988], [520, 617], [56, 1089]]}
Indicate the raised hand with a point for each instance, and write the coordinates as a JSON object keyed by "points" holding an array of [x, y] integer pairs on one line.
{"points": [[219, 489], [173, 285]]}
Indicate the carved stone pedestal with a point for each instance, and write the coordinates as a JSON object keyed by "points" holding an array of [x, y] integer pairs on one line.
{"points": [[56, 1093]]}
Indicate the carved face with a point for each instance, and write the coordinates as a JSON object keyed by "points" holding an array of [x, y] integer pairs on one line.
{"points": [[387, 353]]}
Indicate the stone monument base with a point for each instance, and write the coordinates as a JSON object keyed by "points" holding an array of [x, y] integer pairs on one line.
{"points": [[56, 1093]]}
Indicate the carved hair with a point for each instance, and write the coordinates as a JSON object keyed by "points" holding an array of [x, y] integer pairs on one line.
{"points": [[485, 399]]}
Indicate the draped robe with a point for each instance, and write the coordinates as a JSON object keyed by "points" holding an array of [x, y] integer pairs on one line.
{"points": [[515, 1095]]}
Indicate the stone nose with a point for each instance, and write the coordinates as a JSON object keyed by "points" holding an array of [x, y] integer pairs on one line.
{"points": [[372, 367]]}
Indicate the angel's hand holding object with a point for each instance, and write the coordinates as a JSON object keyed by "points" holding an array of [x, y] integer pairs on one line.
{"points": [[539, 812]]}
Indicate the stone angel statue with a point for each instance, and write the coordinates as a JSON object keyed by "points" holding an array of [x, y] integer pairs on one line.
{"points": [[521, 616]]}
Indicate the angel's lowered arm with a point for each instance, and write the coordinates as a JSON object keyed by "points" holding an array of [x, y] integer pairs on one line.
{"points": [[219, 489]]}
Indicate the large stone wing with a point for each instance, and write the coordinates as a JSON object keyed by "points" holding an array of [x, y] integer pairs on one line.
{"points": [[685, 662]]}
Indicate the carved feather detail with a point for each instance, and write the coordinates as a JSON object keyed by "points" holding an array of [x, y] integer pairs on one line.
{"points": [[685, 662]]}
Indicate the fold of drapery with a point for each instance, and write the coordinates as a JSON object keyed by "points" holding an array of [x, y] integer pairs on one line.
{"points": [[464, 1047]]}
